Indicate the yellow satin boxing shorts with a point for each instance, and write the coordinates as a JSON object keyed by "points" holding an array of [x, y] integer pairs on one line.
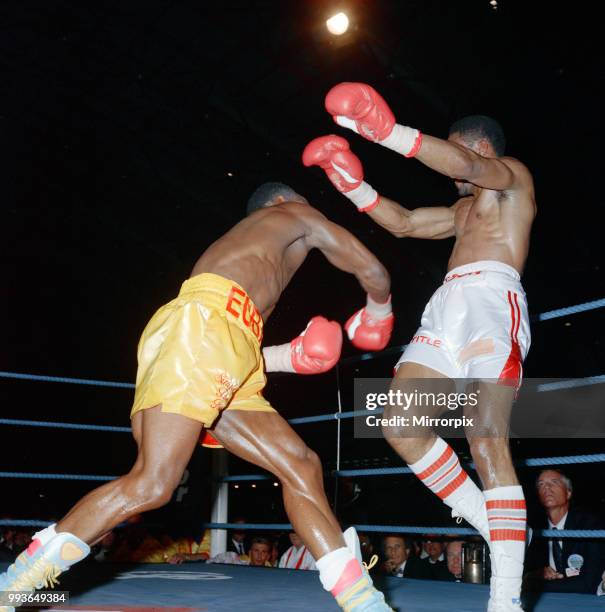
{"points": [[200, 353]]}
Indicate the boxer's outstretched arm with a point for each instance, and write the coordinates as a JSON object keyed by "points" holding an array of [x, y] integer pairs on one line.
{"points": [[348, 254], [461, 163], [431, 222]]}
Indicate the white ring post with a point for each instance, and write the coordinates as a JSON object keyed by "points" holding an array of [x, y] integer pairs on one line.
{"points": [[220, 505]]}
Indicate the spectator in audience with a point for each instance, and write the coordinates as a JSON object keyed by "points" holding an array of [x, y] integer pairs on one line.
{"points": [[237, 540], [260, 553], [398, 561], [564, 565], [433, 566], [454, 559], [188, 549], [297, 556]]}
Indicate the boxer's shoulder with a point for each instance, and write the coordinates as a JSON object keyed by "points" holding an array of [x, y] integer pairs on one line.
{"points": [[517, 167]]}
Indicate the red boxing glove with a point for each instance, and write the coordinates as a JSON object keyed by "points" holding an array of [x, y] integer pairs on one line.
{"points": [[343, 167], [361, 108], [362, 104], [332, 153], [315, 351], [370, 328]]}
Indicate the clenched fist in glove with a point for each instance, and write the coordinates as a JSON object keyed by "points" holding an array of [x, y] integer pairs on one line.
{"points": [[316, 350], [333, 154], [361, 108], [371, 327]]}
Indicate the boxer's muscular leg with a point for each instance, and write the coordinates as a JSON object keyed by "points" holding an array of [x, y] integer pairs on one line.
{"points": [[266, 439], [489, 437], [407, 379], [430, 457], [505, 501], [166, 442]]}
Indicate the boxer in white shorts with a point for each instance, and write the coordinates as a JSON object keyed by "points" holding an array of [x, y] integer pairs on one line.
{"points": [[476, 323]]}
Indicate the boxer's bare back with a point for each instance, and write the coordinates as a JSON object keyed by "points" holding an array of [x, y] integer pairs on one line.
{"points": [[264, 250]]}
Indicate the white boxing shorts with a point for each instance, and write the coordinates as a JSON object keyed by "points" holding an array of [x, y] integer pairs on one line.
{"points": [[476, 325]]}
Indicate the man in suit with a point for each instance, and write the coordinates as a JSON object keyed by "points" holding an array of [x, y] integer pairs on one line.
{"points": [[237, 542], [398, 560], [433, 565], [548, 565]]}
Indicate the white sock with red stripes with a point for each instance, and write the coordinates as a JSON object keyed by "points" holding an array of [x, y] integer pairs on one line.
{"points": [[338, 569], [507, 517], [441, 472]]}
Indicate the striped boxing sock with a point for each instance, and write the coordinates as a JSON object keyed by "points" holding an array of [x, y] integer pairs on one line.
{"points": [[507, 517], [441, 472]]}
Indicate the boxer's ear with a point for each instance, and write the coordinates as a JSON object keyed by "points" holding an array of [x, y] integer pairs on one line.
{"points": [[484, 148]]}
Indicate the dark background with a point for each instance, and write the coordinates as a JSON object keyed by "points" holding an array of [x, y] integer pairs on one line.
{"points": [[132, 135]]}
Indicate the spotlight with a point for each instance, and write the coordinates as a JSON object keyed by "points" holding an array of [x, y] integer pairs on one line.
{"points": [[254, 486], [236, 486], [338, 24], [276, 484]]}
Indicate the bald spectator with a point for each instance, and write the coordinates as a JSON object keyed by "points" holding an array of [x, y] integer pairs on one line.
{"points": [[454, 559]]}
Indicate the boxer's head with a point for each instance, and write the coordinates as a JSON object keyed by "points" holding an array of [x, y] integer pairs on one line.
{"points": [[271, 194], [481, 134]]}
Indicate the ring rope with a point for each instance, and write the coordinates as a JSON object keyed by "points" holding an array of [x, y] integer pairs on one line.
{"points": [[544, 316], [539, 461], [544, 533]]}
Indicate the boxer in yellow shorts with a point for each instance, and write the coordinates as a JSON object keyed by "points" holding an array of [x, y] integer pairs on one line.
{"points": [[200, 365], [201, 353]]}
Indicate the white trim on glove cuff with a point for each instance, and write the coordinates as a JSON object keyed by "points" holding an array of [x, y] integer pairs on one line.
{"points": [[403, 140], [377, 310]]}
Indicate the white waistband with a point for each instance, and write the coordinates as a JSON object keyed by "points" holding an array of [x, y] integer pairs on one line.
{"points": [[481, 266]]}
